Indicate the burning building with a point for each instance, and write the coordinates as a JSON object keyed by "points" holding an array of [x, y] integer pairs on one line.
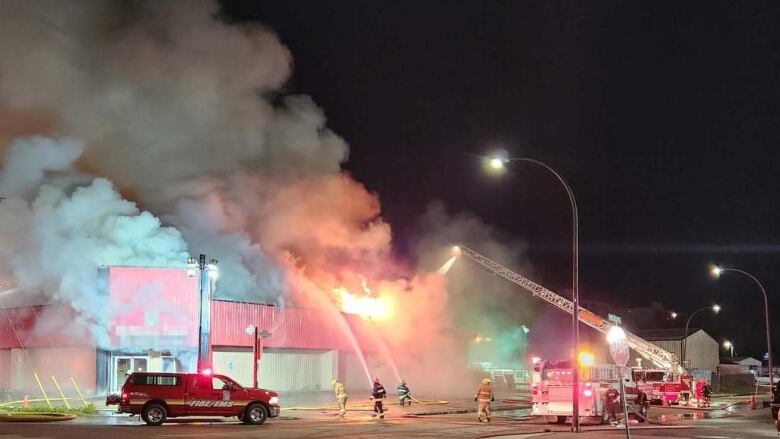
{"points": [[153, 315]]}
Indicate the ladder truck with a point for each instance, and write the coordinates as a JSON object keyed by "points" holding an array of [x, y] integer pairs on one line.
{"points": [[673, 387]]}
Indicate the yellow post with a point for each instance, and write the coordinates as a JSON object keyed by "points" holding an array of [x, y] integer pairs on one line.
{"points": [[65, 400], [79, 392], [35, 374]]}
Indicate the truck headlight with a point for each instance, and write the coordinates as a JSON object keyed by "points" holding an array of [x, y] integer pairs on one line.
{"points": [[274, 400]]}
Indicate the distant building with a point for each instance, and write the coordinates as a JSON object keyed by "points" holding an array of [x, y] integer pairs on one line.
{"points": [[739, 365], [702, 351]]}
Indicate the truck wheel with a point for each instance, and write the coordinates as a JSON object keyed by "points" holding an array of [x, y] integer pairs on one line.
{"points": [[255, 414], [154, 414]]}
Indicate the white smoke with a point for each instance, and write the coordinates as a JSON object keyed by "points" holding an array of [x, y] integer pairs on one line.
{"points": [[166, 99], [60, 225]]}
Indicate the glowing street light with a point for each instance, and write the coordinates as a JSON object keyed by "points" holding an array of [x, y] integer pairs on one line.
{"points": [[497, 163], [717, 271], [673, 315], [730, 346]]}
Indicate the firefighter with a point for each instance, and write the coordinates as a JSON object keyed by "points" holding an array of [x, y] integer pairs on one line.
{"points": [[699, 392], [707, 393], [403, 393], [642, 404], [378, 394], [612, 404], [341, 396], [484, 397]]}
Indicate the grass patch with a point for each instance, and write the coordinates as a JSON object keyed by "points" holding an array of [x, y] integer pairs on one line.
{"points": [[80, 411]]}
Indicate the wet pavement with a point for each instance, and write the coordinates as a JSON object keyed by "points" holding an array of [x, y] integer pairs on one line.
{"points": [[730, 419]]}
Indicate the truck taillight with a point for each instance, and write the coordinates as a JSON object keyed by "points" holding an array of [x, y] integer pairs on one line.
{"points": [[125, 398]]}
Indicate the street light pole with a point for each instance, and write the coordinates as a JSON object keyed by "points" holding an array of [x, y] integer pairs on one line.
{"points": [[715, 308], [498, 163], [207, 272], [717, 272]]}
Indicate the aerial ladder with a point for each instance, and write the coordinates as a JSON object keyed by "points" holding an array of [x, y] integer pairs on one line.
{"points": [[662, 358]]}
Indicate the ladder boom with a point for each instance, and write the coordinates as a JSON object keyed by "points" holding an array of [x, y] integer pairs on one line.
{"points": [[661, 357]]}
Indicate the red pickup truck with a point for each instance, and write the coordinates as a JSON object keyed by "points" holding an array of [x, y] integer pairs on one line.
{"points": [[158, 396]]}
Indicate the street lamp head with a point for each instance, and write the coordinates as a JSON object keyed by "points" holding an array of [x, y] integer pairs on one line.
{"points": [[716, 308], [716, 271], [525, 329], [497, 163], [727, 344], [673, 315]]}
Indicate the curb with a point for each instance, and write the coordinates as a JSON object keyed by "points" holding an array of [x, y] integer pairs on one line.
{"points": [[35, 417]]}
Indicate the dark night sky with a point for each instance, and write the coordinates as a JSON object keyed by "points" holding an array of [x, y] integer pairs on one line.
{"points": [[662, 116]]}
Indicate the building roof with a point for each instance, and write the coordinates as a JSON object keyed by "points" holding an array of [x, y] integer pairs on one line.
{"points": [[743, 361], [666, 334]]}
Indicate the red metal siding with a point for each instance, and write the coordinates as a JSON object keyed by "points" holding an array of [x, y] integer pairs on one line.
{"points": [[20, 323], [296, 328]]}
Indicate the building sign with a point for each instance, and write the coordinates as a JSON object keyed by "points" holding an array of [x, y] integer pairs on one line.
{"points": [[615, 319]]}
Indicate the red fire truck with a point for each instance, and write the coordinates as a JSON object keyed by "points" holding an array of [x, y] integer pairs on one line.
{"points": [[159, 396], [663, 387], [674, 386], [551, 392]]}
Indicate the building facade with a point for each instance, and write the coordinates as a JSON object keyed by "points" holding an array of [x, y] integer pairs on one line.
{"points": [[150, 323], [702, 352]]}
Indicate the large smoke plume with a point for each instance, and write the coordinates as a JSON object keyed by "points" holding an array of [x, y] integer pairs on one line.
{"points": [[187, 116]]}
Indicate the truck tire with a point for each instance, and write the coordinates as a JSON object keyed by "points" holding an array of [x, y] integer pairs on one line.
{"points": [[154, 414], [255, 414], [561, 420]]}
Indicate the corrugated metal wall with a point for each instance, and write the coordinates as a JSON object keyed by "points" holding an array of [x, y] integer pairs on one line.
{"points": [[297, 328], [292, 370], [19, 323], [235, 363], [286, 370], [702, 351], [5, 369], [61, 363]]}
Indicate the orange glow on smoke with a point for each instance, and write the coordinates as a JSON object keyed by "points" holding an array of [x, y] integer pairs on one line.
{"points": [[378, 308]]}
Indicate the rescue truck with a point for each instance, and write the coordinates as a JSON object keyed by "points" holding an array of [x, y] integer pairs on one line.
{"points": [[674, 385], [159, 396], [662, 387], [551, 392]]}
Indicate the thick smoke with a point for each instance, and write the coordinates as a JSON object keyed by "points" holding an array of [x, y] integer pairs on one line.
{"points": [[60, 225], [188, 116]]}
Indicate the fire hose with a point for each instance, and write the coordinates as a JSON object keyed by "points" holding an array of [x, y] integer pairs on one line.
{"points": [[369, 405]]}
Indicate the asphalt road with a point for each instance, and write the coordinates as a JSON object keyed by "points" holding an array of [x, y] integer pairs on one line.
{"points": [[737, 422]]}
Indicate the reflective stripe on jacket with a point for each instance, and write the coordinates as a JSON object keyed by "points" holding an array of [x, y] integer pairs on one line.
{"points": [[485, 392]]}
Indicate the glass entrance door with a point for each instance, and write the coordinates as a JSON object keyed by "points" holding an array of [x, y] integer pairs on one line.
{"points": [[124, 366]]}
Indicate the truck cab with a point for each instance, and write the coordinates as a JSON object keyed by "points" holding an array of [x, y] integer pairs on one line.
{"points": [[159, 396]]}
